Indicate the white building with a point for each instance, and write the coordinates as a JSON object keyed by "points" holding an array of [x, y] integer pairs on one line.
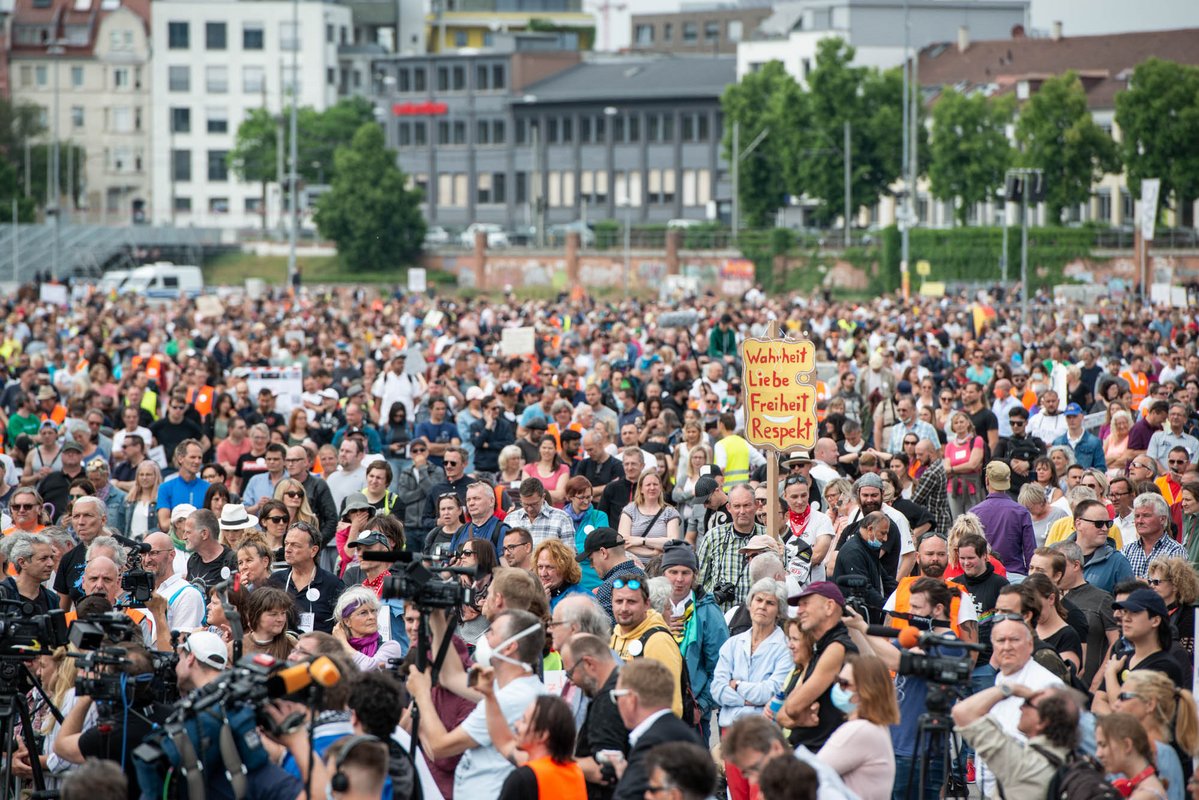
{"points": [[213, 63], [875, 28], [100, 84]]}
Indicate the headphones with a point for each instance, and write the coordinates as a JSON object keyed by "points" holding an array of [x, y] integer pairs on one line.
{"points": [[340, 781]]}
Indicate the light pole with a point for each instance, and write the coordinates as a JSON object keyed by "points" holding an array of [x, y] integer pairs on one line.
{"points": [[293, 153], [1023, 181], [54, 190], [738, 155], [625, 202]]}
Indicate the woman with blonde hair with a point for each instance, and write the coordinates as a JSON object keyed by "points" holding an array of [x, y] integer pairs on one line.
{"points": [[647, 522], [557, 570], [683, 493], [1115, 444], [1123, 747], [860, 750], [291, 493], [297, 426], [967, 523], [1168, 715], [963, 465], [141, 504], [1175, 581]]}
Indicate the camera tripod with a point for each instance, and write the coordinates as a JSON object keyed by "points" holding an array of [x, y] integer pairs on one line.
{"points": [[935, 742], [15, 681]]}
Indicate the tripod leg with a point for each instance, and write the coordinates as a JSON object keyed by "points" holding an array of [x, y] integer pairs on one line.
{"points": [[10, 747], [39, 778]]}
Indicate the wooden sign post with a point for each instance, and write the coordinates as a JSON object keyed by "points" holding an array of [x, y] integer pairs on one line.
{"points": [[778, 382]]}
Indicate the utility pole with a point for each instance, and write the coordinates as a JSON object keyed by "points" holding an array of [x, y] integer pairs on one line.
{"points": [[1023, 181], [905, 213], [294, 149], [847, 152], [279, 143], [54, 190], [738, 155]]}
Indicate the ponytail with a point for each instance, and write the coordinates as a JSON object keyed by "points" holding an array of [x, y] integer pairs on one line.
{"points": [[1186, 722]]}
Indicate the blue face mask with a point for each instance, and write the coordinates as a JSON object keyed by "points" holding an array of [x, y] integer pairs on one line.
{"points": [[841, 699], [875, 545]]}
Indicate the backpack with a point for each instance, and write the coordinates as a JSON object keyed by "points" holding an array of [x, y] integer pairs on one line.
{"points": [[1079, 777], [692, 714]]}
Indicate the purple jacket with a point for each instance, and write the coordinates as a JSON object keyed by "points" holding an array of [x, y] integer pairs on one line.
{"points": [[1008, 527]]}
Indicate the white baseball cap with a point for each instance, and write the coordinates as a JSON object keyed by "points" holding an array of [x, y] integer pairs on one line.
{"points": [[208, 649], [182, 511]]}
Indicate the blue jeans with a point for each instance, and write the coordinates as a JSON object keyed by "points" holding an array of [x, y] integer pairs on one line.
{"points": [[908, 767]]}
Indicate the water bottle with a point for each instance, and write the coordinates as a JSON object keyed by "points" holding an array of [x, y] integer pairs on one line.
{"points": [[776, 703]]}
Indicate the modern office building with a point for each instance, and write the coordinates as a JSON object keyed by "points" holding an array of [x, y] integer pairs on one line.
{"points": [[214, 62], [523, 135], [699, 28], [85, 63]]}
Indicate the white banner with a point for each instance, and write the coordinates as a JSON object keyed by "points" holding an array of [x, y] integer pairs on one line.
{"points": [[1149, 191], [286, 382]]}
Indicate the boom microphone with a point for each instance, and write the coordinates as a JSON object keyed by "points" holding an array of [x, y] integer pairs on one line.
{"points": [[133, 544], [389, 555], [289, 680]]}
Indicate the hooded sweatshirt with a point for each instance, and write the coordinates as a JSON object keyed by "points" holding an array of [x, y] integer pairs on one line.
{"points": [[660, 646], [985, 591]]}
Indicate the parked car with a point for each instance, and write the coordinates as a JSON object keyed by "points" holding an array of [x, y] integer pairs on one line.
{"points": [[495, 234], [164, 281], [586, 233], [437, 235]]}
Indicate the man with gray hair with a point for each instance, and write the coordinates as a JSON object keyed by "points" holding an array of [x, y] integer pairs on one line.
{"points": [[88, 516], [210, 561], [32, 556], [578, 613], [1151, 516]]}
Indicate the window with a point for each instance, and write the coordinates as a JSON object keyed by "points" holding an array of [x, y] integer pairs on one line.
{"points": [[253, 205], [443, 132], [483, 132], [218, 165], [178, 35], [216, 79], [585, 129], [735, 30], [253, 36], [499, 78], [459, 132], [521, 187], [618, 130], [404, 134], [482, 78], [483, 188], [179, 79], [215, 35], [183, 205], [668, 32], [330, 34], [42, 74], [420, 134], [419, 79], [26, 75], [460, 39], [499, 132], [1103, 204], [701, 127], [121, 119], [76, 117], [217, 118], [217, 205], [568, 130], [403, 81], [443, 79], [181, 120], [181, 163], [668, 127], [459, 74], [643, 35], [77, 77], [330, 76], [551, 130], [522, 131], [634, 128], [253, 79], [1127, 212], [690, 32], [711, 31], [120, 78], [652, 128], [289, 36]]}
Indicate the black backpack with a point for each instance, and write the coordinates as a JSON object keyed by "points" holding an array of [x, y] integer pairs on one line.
{"points": [[692, 714], [1079, 777]]}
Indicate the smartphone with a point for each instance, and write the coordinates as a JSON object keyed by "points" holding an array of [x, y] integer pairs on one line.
{"points": [[472, 676]]}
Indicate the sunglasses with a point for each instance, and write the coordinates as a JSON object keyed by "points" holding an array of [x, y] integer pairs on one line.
{"points": [[621, 583], [469, 553], [452, 463], [1126, 696], [1157, 581], [293, 494], [277, 520], [909, 442], [418, 450], [23, 506]]}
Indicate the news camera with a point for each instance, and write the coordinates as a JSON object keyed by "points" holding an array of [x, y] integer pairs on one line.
{"points": [[137, 581], [23, 635], [856, 589], [425, 587]]}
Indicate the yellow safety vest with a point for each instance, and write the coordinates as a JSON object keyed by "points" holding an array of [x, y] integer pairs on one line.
{"points": [[736, 465]]}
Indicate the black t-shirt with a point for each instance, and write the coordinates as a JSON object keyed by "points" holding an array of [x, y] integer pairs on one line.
{"points": [[828, 717], [602, 729], [55, 490], [248, 465], [209, 573], [69, 577], [325, 587], [44, 602], [116, 741], [1065, 640], [984, 421], [521, 784], [1161, 661], [596, 473], [169, 434]]}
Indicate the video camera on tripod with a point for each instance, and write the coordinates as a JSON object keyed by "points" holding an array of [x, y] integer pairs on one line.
{"points": [[423, 586], [137, 581]]}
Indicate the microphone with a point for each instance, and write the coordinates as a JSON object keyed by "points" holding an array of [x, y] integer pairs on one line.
{"points": [[882, 631], [911, 637], [289, 680], [133, 544]]}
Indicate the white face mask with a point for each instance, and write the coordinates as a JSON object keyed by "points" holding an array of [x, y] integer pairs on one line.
{"points": [[484, 652]]}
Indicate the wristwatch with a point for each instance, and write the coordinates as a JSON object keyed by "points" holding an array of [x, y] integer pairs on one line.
{"points": [[1006, 689]]}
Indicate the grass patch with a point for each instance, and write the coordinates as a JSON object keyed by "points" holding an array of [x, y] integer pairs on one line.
{"points": [[234, 268]]}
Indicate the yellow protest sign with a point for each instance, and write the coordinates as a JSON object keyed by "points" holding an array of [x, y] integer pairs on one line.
{"points": [[780, 395], [924, 268]]}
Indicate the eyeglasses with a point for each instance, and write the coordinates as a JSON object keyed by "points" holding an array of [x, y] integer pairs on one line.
{"points": [[416, 450], [276, 519], [1006, 618], [909, 442], [303, 526], [508, 548], [1030, 704], [1126, 696], [294, 460], [293, 494], [1157, 581], [161, 552], [615, 693], [449, 463], [1177, 463], [178, 408], [621, 583]]}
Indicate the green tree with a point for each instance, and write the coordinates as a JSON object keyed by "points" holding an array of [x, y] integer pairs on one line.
{"points": [[10, 187], [254, 156], [1056, 134], [321, 133], [969, 151], [1159, 119], [871, 102], [768, 98], [372, 216]]}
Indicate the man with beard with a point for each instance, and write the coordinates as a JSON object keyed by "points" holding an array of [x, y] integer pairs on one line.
{"points": [[932, 557], [591, 667], [898, 552]]}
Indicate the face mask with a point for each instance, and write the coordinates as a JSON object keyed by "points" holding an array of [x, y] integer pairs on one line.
{"points": [[875, 545], [841, 699], [484, 652]]}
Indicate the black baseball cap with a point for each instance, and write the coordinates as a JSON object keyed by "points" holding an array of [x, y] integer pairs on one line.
{"points": [[597, 539]]}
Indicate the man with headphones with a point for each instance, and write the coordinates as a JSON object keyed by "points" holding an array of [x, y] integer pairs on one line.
{"points": [[358, 766]]}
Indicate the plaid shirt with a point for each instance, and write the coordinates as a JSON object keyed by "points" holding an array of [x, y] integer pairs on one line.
{"points": [[929, 492], [720, 559], [551, 523], [1139, 560]]}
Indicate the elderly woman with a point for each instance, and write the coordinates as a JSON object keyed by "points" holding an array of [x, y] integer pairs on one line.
{"points": [[1032, 497], [557, 570], [357, 628], [1115, 444], [1176, 583], [753, 666]]}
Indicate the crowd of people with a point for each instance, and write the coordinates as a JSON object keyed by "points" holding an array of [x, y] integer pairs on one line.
{"points": [[631, 625]]}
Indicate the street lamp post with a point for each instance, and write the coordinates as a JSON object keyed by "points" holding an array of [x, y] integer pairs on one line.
{"points": [[293, 153], [626, 202], [53, 191]]}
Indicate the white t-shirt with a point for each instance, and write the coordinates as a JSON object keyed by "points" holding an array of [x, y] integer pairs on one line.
{"points": [[481, 772], [818, 525], [186, 612]]}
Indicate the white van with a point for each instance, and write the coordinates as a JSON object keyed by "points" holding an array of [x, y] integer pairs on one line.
{"points": [[111, 281], [164, 281]]}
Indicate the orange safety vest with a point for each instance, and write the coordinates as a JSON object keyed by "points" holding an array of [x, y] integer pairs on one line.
{"points": [[558, 780], [201, 399], [153, 367], [1138, 384], [1028, 399], [57, 416], [903, 602], [822, 396]]}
